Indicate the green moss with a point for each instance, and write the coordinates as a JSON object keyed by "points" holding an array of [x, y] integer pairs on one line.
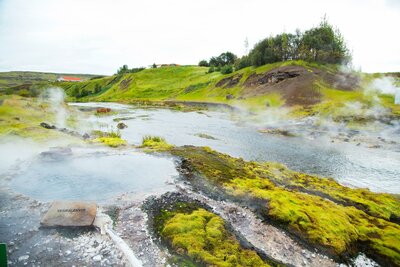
{"points": [[202, 236], [155, 143], [354, 218], [110, 141]]}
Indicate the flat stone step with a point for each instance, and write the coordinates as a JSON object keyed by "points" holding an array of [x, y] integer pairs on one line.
{"points": [[70, 213]]}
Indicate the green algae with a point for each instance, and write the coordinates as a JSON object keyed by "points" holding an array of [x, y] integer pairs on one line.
{"points": [[320, 211], [203, 237]]}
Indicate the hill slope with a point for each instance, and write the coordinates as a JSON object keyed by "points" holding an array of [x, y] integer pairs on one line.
{"points": [[18, 80], [306, 88]]}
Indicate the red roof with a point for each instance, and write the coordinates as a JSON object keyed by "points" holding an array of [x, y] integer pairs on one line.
{"points": [[70, 78]]}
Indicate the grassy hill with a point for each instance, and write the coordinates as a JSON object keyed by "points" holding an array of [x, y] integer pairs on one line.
{"points": [[305, 88], [14, 81]]}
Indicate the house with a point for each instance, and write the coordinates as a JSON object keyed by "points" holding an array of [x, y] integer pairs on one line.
{"points": [[68, 79]]}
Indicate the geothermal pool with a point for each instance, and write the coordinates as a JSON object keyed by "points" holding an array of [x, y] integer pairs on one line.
{"points": [[376, 169], [92, 175]]}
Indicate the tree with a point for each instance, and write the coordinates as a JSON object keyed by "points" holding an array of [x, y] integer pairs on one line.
{"points": [[321, 44], [123, 69], [324, 44], [203, 63], [214, 62], [154, 66]]}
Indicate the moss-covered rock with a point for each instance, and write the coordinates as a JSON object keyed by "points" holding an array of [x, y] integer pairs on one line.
{"points": [[320, 211], [197, 236]]}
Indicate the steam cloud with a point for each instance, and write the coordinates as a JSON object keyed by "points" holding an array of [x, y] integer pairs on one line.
{"points": [[387, 85], [56, 97]]}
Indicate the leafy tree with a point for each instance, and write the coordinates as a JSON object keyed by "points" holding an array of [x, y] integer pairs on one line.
{"points": [[227, 58], [242, 62], [324, 44], [154, 66], [321, 44], [214, 61], [123, 69], [203, 63]]}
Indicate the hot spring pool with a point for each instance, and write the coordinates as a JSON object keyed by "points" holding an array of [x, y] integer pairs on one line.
{"points": [[93, 175]]}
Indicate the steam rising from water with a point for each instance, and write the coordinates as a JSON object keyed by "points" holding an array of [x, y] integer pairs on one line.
{"points": [[387, 85], [56, 97]]}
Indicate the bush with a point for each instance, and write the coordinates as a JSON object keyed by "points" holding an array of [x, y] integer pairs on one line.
{"points": [[227, 69], [211, 69]]}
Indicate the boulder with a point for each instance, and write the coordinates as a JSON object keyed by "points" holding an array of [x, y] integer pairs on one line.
{"points": [[47, 125], [122, 126]]}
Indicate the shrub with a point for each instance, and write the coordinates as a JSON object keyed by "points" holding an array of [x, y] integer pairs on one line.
{"points": [[227, 69]]}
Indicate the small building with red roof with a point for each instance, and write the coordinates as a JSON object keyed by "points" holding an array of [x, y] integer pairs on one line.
{"points": [[68, 79]]}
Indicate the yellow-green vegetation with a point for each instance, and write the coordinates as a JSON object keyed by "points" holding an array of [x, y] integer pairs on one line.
{"points": [[111, 138], [340, 219], [155, 143], [203, 237], [110, 141], [21, 117]]}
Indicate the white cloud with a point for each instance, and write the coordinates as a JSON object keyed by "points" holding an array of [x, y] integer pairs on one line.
{"points": [[96, 36]]}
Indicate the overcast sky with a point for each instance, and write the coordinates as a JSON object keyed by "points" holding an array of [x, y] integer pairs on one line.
{"points": [[96, 36]]}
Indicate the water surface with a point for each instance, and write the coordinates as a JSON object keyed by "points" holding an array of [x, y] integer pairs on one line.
{"points": [[96, 176], [376, 169]]}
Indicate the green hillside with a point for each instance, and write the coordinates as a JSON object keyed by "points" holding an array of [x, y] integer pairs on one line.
{"points": [[15, 81], [305, 88]]}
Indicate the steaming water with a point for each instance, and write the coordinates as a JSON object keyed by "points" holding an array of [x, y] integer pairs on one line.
{"points": [[361, 167], [96, 176]]}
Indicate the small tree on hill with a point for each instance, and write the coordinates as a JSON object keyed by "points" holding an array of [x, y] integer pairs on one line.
{"points": [[203, 63]]}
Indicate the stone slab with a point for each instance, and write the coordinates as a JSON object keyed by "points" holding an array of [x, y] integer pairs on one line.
{"points": [[70, 213]]}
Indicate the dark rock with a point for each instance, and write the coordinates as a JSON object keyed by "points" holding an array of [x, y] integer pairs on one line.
{"points": [[47, 126], [122, 125], [229, 97], [86, 136], [229, 82]]}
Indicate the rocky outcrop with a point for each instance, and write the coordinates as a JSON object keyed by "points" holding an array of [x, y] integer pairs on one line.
{"points": [[229, 82]]}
